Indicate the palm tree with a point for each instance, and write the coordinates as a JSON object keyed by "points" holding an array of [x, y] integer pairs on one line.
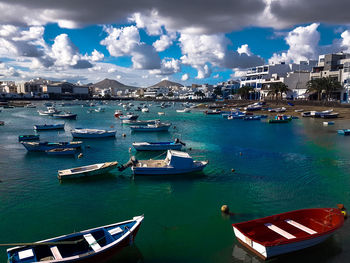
{"points": [[315, 85], [325, 85], [245, 91], [331, 85], [277, 88]]}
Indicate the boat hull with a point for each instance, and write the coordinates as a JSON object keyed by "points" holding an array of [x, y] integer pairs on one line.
{"points": [[45, 147], [87, 135], [157, 147], [146, 129], [85, 174], [166, 170], [48, 127]]}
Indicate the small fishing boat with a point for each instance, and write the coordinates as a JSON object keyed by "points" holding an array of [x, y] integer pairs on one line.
{"points": [[306, 114], [139, 122], [44, 146], [92, 245], [344, 132], [30, 106], [176, 162], [118, 113], [145, 109], [66, 115], [92, 133], [252, 118], [46, 127], [130, 117], [287, 232], [185, 110], [31, 137], [254, 107], [283, 109], [319, 114], [280, 119], [100, 109], [330, 115], [158, 146], [151, 127], [62, 151], [212, 112], [326, 123], [49, 112], [89, 170], [300, 110], [236, 116], [161, 113]]}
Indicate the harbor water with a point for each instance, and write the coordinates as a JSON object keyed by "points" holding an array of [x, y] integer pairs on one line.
{"points": [[277, 168]]}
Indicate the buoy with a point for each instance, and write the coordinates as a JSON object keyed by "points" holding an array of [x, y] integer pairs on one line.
{"points": [[124, 135], [342, 208], [225, 209], [233, 170], [80, 155]]}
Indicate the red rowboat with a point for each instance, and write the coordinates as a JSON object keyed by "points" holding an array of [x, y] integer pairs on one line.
{"points": [[287, 232]]}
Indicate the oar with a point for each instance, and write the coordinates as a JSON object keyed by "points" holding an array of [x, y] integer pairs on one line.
{"points": [[42, 243]]}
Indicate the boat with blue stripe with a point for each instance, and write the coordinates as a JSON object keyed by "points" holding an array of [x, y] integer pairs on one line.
{"points": [[92, 245]]}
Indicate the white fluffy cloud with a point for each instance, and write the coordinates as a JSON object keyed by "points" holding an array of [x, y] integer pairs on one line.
{"points": [[163, 43], [185, 77], [169, 66], [303, 45], [126, 41]]}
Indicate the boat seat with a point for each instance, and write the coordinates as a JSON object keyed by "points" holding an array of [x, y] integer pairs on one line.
{"points": [[301, 227], [115, 231], [92, 242], [55, 252], [279, 231], [28, 253]]}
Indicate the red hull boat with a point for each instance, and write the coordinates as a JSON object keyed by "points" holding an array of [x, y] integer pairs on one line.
{"points": [[287, 232]]}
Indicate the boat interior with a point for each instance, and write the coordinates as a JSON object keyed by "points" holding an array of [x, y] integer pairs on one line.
{"points": [[152, 163]]}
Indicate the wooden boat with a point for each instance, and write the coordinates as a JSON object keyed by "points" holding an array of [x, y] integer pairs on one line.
{"points": [[287, 232], [66, 115], [158, 146], [49, 112], [89, 170], [130, 117], [212, 112], [145, 109], [283, 109], [92, 245], [281, 119], [92, 133], [44, 146], [62, 151], [330, 115], [326, 123], [300, 110], [151, 127], [344, 132], [185, 110], [49, 127], [139, 122], [176, 162], [161, 113], [100, 109], [118, 113], [30, 137], [306, 114]]}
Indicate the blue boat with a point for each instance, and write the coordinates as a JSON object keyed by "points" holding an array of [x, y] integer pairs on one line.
{"points": [[92, 245], [158, 146], [46, 127], [252, 118], [45, 146], [30, 137], [344, 132]]}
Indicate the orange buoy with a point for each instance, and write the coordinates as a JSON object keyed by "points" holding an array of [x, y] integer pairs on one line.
{"points": [[225, 209], [80, 155]]}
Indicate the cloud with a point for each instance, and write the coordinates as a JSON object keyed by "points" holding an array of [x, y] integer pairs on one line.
{"points": [[169, 66], [163, 43], [126, 41], [303, 45], [185, 77], [216, 76]]}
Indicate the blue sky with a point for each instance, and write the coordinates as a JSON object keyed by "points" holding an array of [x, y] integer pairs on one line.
{"points": [[138, 44]]}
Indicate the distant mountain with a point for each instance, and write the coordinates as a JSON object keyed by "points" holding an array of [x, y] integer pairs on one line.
{"points": [[166, 83], [111, 83]]}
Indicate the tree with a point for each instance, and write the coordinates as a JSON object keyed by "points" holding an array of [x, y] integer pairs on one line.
{"points": [[277, 88], [199, 94], [325, 85], [218, 91], [170, 94], [245, 91]]}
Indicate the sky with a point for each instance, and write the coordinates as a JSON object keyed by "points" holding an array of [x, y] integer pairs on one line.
{"points": [[142, 42]]}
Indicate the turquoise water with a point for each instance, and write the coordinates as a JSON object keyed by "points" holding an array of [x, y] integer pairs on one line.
{"points": [[278, 168]]}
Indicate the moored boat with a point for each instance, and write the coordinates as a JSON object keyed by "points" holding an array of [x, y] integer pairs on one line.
{"points": [[88, 170], [44, 146], [66, 115], [92, 245], [139, 122], [151, 127], [62, 151], [185, 110], [130, 117], [49, 127], [344, 132], [212, 112], [30, 137], [118, 113], [145, 109], [330, 115], [326, 123], [252, 118], [280, 119], [49, 112], [287, 232], [176, 162], [158, 146], [92, 133]]}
